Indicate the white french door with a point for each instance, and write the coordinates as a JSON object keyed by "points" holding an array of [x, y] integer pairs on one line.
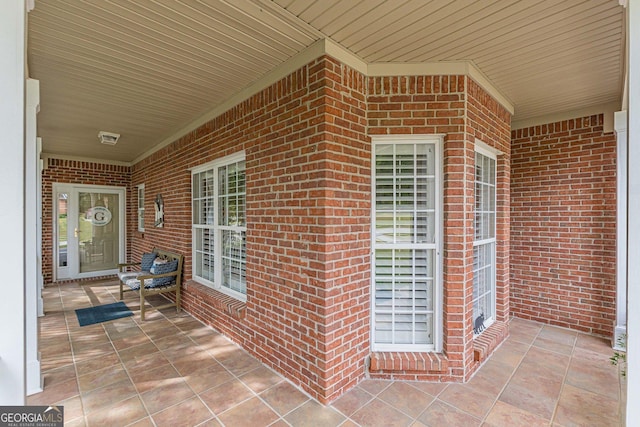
{"points": [[89, 230]]}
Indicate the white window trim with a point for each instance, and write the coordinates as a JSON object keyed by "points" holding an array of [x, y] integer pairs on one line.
{"points": [[438, 140], [215, 164], [492, 153], [487, 150], [140, 210]]}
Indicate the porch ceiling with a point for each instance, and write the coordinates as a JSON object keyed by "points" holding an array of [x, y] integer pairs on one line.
{"points": [[146, 69]]}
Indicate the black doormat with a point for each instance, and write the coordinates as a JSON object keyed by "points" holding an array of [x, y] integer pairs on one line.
{"points": [[102, 313]]}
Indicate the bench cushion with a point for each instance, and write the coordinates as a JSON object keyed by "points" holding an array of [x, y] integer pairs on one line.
{"points": [[124, 276], [134, 284]]}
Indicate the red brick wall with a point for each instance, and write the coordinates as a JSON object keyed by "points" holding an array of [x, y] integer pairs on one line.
{"points": [[165, 173], [490, 123], [563, 202], [75, 172], [347, 227], [308, 209], [457, 107]]}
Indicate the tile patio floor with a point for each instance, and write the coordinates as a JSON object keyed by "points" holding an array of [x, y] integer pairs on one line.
{"points": [[172, 371]]}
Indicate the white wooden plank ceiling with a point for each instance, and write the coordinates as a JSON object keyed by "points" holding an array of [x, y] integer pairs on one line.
{"points": [[145, 69]]}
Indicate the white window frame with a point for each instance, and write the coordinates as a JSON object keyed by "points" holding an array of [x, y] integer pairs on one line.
{"points": [[490, 152], [438, 141], [215, 227], [141, 197]]}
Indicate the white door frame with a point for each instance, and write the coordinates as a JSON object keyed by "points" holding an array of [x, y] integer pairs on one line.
{"points": [[620, 330], [74, 267]]}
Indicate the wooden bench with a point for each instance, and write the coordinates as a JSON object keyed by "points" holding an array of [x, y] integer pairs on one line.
{"points": [[148, 284]]}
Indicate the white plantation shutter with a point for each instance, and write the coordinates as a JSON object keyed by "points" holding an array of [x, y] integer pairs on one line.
{"points": [[203, 224], [219, 225], [231, 204], [404, 245]]}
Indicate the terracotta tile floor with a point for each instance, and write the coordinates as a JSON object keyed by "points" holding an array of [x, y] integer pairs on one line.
{"points": [[173, 371]]}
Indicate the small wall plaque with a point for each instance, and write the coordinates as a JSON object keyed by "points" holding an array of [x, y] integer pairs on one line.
{"points": [[159, 207]]}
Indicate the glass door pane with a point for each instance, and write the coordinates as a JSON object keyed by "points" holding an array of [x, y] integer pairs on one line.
{"points": [[97, 231], [61, 241]]}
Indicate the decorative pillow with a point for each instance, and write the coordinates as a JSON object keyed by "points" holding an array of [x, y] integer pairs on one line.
{"points": [[156, 262], [167, 267], [147, 261]]}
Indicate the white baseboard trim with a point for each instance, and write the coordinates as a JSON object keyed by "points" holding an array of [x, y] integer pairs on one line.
{"points": [[34, 378], [620, 338]]}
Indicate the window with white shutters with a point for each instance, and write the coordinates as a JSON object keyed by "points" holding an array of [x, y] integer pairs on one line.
{"points": [[484, 245], [219, 225], [405, 242]]}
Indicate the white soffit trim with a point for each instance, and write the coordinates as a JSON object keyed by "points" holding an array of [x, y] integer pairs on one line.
{"points": [[46, 156], [336, 51], [484, 82], [607, 109]]}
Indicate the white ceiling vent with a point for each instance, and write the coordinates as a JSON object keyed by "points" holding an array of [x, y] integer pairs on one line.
{"points": [[108, 137]]}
